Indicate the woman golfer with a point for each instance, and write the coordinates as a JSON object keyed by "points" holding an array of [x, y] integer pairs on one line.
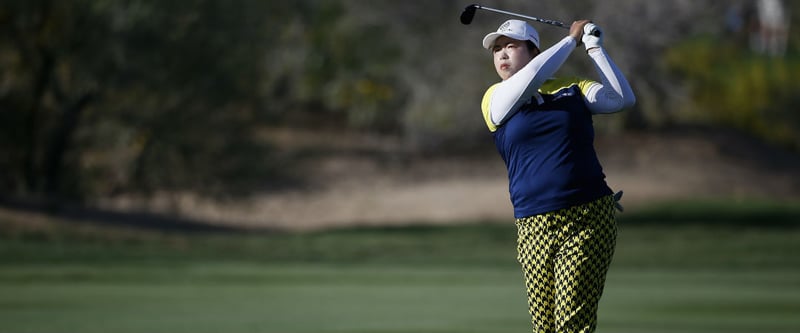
{"points": [[543, 130]]}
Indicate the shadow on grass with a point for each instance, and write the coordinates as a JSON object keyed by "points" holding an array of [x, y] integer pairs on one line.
{"points": [[718, 213], [109, 218]]}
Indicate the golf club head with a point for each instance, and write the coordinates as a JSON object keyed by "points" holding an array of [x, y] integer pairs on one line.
{"points": [[468, 14]]}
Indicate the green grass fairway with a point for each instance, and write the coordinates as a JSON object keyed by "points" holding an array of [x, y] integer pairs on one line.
{"points": [[219, 297], [679, 276]]}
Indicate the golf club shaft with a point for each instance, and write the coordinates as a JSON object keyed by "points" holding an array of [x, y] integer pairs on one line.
{"points": [[550, 22]]}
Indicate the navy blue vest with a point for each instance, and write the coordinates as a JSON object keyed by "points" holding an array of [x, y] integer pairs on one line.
{"points": [[549, 152]]}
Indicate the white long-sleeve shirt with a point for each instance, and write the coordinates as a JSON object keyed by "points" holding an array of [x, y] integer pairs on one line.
{"points": [[612, 94]]}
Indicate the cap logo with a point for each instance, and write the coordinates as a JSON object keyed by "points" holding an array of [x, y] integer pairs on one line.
{"points": [[506, 27]]}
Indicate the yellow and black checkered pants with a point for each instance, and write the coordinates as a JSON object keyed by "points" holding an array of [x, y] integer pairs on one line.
{"points": [[565, 255]]}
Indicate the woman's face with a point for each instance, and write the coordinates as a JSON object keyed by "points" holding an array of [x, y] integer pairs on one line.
{"points": [[510, 55]]}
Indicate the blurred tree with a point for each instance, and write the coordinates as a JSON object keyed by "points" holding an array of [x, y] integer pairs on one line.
{"points": [[334, 66], [43, 89], [102, 96]]}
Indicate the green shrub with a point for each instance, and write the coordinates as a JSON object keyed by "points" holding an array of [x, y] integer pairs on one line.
{"points": [[729, 85]]}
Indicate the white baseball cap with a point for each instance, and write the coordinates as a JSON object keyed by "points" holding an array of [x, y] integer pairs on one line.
{"points": [[516, 29]]}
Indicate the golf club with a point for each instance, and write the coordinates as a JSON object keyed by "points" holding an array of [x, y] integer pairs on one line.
{"points": [[469, 14]]}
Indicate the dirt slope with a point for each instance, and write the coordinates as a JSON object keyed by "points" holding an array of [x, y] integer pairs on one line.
{"points": [[357, 186]]}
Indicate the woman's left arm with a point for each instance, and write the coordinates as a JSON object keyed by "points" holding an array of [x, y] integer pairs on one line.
{"points": [[613, 93]]}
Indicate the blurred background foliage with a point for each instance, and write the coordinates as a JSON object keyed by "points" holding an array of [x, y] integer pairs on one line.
{"points": [[102, 97], [744, 90]]}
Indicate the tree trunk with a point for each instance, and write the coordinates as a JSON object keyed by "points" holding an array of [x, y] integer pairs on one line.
{"points": [[43, 77], [60, 143]]}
